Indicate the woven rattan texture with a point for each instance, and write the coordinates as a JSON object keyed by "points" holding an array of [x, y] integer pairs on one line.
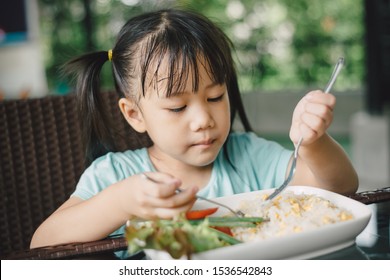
{"points": [[41, 160]]}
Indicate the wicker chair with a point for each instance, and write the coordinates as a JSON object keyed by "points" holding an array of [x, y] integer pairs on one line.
{"points": [[41, 160]]}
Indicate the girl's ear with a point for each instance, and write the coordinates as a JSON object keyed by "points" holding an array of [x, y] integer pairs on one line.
{"points": [[132, 114]]}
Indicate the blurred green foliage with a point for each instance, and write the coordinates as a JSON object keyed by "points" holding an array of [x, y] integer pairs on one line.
{"points": [[280, 44]]}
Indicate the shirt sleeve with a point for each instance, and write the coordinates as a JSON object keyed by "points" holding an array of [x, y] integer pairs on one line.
{"points": [[264, 162], [102, 173]]}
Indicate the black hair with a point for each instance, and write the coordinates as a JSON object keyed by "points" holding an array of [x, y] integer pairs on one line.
{"points": [[144, 41]]}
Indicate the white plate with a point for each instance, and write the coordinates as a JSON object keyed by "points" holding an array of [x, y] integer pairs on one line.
{"points": [[302, 245]]}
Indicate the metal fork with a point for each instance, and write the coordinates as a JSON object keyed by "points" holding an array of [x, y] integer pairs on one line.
{"points": [[237, 213], [328, 87]]}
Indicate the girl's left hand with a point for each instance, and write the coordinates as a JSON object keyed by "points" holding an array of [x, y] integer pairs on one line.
{"points": [[312, 116]]}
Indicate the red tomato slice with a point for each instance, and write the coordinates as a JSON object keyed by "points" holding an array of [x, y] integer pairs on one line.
{"points": [[200, 214], [226, 230]]}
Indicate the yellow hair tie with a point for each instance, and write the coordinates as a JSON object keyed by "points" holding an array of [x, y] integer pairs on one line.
{"points": [[110, 54]]}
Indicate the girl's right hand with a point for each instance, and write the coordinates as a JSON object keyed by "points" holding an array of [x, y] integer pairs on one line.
{"points": [[155, 198]]}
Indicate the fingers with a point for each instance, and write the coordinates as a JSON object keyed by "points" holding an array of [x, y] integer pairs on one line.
{"points": [[172, 207], [157, 184], [164, 213], [312, 116], [167, 213], [308, 133], [176, 200], [319, 97], [157, 196], [318, 111], [317, 121]]}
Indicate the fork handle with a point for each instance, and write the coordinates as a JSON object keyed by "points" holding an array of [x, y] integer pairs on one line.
{"points": [[216, 203], [336, 71], [210, 201], [332, 80], [143, 175]]}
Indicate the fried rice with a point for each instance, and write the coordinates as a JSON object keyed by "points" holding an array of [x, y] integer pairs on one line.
{"points": [[289, 213]]}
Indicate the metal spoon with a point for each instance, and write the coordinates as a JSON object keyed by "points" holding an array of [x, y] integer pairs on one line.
{"points": [[328, 87]]}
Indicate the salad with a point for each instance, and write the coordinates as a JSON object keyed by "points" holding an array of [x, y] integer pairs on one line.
{"points": [[191, 232]]}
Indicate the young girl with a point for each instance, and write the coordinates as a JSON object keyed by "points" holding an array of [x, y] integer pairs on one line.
{"points": [[175, 74]]}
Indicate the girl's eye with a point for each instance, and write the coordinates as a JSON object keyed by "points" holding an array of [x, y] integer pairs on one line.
{"points": [[216, 99], [177, 110]]}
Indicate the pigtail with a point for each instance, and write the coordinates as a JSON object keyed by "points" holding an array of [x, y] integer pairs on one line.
{"points": [[95, 125], [237, 105]]}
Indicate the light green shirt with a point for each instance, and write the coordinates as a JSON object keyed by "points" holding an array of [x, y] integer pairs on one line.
{"points": [[251, 163]]}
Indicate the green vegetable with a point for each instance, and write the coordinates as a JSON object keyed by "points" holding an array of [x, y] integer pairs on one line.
{"points": [[231, 221], [181, 237], [226, 237], [178, 237]]}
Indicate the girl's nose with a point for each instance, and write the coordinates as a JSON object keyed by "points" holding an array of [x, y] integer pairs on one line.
{"points": [[201, 119]]}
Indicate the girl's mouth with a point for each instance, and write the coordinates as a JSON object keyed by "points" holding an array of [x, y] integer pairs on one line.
{"points": [[205, 143]]}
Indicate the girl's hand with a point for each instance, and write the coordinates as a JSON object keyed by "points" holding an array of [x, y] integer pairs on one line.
{"points": [[312, 116], [155, 198]]}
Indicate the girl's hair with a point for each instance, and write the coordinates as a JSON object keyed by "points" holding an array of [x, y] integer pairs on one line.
{"points": [[182, 37]]}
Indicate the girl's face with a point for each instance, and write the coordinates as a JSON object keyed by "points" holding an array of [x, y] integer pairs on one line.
{"points": [[188, 127]]}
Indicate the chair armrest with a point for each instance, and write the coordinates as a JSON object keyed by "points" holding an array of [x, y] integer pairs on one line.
{"points": [[101, 249], [370, 197]]}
